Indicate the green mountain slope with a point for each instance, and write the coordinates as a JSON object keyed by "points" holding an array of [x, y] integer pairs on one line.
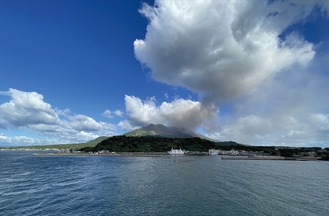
{"points": [[96, 141], [150, 144], [161, 131]]}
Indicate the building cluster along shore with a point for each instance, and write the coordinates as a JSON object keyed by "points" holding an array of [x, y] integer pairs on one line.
{"points": [[223, 154], [148, 146]]}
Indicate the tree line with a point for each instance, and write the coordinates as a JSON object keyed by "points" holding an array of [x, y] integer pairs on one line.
{"points": [[162, 144], [150, 144]]}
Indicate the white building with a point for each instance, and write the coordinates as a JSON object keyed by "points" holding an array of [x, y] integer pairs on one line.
{"points": [[230, 152]]}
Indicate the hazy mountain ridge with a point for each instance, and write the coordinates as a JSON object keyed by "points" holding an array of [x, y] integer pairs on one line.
{"points": [[162, 131], [151, 130], [158, 138]]}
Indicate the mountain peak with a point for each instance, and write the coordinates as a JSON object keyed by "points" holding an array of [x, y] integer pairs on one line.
{"points": [[163, 131], [154, 127]]}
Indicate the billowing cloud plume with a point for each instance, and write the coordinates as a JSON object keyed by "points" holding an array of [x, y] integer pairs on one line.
{"points": [[179, 113], [290, 110], [244, 53], [28, 110], [223, 49]]}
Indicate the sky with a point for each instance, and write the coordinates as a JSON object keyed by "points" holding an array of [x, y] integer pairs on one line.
{"points": [[255, 72]]}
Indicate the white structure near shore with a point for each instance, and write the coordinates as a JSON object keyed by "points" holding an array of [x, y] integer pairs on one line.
{"points": [[213, 152], [176, 151], [230, 152]]}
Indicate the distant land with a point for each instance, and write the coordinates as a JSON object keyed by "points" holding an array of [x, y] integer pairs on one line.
{"points": [[151, 130], [90, 143], [163, 131], [159, 138]]}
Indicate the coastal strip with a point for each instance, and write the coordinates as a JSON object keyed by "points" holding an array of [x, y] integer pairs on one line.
{"points": [[121, 154], [269, 158]]}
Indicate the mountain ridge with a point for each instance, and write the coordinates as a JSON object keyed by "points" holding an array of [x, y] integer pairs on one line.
{"points": [[162, 131]]}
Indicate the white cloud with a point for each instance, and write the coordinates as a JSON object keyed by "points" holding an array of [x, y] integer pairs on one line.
{"points": [[179, 113], [290, 110], [25, 108], [126, 125], [281, 129], [82, 122], [107, 114], [23, 140], [110, 114], [28, 110], [244, 54], [118, 113], [223, 49]]}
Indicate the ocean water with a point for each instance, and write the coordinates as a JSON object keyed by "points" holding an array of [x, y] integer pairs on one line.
{"points": [[166, 185]]}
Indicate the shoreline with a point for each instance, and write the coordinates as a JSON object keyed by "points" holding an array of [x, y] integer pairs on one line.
{"points": [[56, 153], [121, 154], [270, 158], [159, 154]]}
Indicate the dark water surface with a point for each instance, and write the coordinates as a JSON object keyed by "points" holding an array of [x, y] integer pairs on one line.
{"points": [[167, 185]]}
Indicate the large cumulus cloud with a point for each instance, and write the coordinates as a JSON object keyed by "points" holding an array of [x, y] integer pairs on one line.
{"points": [[223, 49], [291, 109], [179, 113], [247, 54], [28, 110], [25, 108]]}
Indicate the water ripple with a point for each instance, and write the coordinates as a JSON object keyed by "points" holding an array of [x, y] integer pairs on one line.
{"points": [[160, 186]]}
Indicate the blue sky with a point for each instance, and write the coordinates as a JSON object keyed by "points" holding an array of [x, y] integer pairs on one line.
{"points": [[251, 71]]}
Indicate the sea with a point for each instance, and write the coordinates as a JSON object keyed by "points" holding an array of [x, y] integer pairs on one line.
{"points": [[164, 185]]}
